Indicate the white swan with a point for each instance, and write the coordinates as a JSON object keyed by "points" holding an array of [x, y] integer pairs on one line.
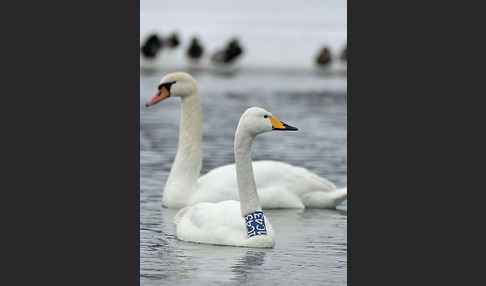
{"points": [[279, 185], [231, 222]]}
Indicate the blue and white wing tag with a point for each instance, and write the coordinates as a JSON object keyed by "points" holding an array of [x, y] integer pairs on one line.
{"points": [[255, 224]]}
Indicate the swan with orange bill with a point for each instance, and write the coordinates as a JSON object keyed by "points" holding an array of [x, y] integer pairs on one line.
{"points": [[279, 185]]}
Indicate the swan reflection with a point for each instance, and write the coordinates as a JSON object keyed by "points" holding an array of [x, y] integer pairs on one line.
{"points": [[244, 268]]}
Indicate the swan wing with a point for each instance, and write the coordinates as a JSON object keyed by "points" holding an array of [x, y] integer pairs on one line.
{"points": [[279, 185]]}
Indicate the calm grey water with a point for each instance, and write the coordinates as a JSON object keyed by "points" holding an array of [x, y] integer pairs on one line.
{"points": [[311, 244]]}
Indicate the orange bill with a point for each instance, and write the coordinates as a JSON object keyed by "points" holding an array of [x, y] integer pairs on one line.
{"points": [[162, 94]]}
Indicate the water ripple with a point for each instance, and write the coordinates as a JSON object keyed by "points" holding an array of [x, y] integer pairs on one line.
{"points": [[311, 244]]}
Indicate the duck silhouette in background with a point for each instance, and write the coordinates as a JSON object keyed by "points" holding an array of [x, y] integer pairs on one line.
{"points": [[324, 58], [229, 54], [195, 51], [173, 40], [151, 47]]}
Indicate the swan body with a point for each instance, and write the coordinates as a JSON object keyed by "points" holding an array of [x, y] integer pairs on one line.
{"points": [[220, 224], [231, 222], [279, 184]]}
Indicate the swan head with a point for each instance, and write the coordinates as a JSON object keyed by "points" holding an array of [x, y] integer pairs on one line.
{"points": [[177, 84], [256, 120]]}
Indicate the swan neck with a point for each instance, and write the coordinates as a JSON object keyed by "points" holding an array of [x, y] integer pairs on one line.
{"points": [[191, 120], [249, 201], [186, 168]]}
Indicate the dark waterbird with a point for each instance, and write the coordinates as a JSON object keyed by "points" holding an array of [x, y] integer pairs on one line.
{"points": [[324, 57], [173, 40], [229, 54], [195, 50], [152, 46]]}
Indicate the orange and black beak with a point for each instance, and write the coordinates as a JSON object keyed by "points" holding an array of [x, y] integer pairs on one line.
{"points": [[279, 125], [162, 94]]}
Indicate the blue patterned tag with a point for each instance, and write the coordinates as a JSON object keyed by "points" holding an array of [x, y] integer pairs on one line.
{"points": [[255, 224]]}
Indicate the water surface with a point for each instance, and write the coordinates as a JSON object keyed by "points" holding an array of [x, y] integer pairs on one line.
{"points": [[311, 244]]}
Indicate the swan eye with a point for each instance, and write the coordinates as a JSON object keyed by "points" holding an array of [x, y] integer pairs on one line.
{"points": [[166, 85], [265, 116]]}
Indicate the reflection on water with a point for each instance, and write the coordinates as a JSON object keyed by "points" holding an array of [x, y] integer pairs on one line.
{"points": [[246, 268], [311, 244]]}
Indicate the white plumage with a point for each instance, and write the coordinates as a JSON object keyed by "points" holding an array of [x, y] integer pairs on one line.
{"points": [[279, 184], [218, 223], [224, 222]]}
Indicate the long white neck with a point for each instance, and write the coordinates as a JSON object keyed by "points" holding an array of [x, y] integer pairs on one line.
{"points": [[249, 201], [187, 163]]}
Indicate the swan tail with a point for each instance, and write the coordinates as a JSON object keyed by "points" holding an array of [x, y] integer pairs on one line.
{"points": [[341, 195], [319, 199]]}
